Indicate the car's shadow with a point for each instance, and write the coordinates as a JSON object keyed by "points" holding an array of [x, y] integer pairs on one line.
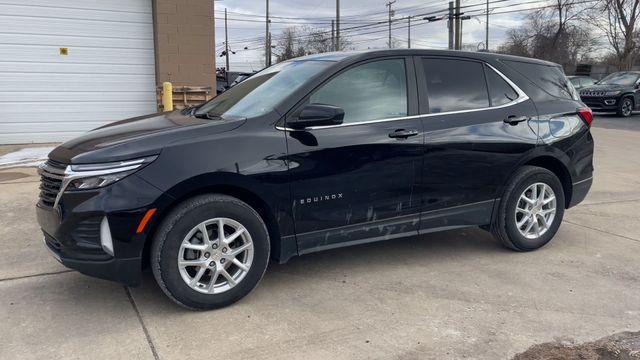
{"points": [[356, 261]]}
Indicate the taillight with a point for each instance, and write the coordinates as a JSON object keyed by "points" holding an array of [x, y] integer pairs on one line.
{"points": [[587, 115]]}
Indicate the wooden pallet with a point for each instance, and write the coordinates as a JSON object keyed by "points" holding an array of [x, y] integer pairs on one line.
{"points": [[185, 96]]}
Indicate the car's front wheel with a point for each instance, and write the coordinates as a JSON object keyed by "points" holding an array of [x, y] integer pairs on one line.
{"points": [[210, 251], [625, 107], [530, 210]]}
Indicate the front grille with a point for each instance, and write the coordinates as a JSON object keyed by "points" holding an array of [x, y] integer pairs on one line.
{"points": [[592, 93], [51, 175]]}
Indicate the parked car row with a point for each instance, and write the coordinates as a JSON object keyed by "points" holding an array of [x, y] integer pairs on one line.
{"points": [[616, 93]]}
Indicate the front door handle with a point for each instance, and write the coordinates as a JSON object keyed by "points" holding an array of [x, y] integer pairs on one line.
{"points": [[514, 120], [403, 134]]}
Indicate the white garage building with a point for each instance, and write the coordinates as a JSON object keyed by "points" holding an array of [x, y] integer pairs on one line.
{"points": [[68, 66]]}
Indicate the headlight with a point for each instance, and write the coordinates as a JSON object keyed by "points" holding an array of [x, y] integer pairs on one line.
{"points": [[612, 93], [93, 176]]}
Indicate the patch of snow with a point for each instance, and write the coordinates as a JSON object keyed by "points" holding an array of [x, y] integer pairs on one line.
{"points": [[25, 157]]}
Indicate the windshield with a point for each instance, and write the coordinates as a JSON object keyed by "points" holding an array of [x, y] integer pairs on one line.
{"points": [[261, 92], [621, 78]]}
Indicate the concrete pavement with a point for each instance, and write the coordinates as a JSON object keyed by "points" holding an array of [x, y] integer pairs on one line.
{"points": [[449, 295]]}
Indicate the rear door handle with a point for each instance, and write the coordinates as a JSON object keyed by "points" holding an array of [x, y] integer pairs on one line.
{"points": [[514, 120], [403, 134]]}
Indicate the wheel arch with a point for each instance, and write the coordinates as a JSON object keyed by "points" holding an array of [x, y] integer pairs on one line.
{"points": [[559, 169], [240, 187]]}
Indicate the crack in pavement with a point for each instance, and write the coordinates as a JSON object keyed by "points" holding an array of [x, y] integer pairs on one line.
{"points": [[37, 275], [141, 321], [609, 202], [19, 182], [602, 231]]}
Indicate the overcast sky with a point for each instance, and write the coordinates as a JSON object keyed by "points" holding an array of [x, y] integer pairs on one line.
{"points": [[246, 23]]}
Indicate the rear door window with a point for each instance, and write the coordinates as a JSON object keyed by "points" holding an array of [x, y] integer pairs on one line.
{"points": [[500, 92], [455, 85]]}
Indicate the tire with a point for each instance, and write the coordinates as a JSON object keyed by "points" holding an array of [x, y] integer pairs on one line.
{"points": [[180, 232], [505, 227], [625, 107]]}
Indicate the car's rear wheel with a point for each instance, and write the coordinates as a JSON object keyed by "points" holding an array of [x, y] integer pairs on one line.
{"points": [[530, 210], [210, 251], [625, 107]]}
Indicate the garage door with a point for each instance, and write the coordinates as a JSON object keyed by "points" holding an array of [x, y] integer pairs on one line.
{"points": [[70, 66]]}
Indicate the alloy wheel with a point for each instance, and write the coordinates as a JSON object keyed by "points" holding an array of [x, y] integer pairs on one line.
{"points": [[627, 107], [535, 210], [215, 255]]}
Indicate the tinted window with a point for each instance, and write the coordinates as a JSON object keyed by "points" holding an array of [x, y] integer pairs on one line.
{"points": [[455, 85], [551, 79], [372, 91], [499, 91], [620, 78], [587, 81], [260, 93]]}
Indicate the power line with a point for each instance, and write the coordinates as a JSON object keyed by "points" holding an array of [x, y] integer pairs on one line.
{"points": [[371, 28]]}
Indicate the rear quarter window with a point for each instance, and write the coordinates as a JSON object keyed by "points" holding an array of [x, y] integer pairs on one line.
{"points": [[548, 78]]}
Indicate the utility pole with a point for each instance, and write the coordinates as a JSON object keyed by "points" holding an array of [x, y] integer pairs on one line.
{"points": [[226, 46], [333, 35], [486, 32], [269, 58], [450, 25], [457, 25], [338, 25], [391, 14], [409, 32], [267, 45]]}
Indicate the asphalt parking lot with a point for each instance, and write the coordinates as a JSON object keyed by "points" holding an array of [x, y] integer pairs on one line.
{"points": [[455, 294]]}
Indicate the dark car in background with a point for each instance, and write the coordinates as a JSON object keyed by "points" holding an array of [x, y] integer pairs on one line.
{"points": [[317, 153], [240, 78], [617, 93], [580, 82]]}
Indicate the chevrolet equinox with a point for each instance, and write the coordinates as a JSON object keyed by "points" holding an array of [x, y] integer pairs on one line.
{"points": [[316, 153]]}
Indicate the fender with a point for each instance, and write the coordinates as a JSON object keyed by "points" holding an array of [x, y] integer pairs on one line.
{"points": [[541, 151], [277, 216]]}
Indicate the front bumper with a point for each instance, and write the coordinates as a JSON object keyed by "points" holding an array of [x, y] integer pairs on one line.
{"points": [[604, 104], [74, 236], [124, 271]]}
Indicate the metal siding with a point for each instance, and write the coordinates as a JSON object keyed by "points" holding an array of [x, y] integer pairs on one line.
{"points": [[108, 75]]}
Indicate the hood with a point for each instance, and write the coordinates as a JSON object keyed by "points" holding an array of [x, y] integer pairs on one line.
{"points": [[137, 137], [605, 87]]}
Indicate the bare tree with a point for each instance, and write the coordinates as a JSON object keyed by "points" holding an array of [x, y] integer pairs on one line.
{"points": [[289, 44], [553, 34], [304, 40], [618, 20], [517, 42], [395, 43]]}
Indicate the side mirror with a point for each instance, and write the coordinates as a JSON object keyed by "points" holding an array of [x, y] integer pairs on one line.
{"points": [[317, 115]]}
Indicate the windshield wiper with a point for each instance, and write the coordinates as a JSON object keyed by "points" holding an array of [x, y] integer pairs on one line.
{"points": [[189, 110], [207, 116]]}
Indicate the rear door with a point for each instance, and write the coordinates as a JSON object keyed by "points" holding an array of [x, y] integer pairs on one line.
{"points": [[358, 181], [470, 150]]}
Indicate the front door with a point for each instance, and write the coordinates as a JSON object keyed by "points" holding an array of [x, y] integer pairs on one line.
{"points": [[359, 181]]}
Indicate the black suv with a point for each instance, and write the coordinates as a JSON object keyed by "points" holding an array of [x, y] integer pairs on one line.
{"points": [[617, 92], [317, 153]]}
